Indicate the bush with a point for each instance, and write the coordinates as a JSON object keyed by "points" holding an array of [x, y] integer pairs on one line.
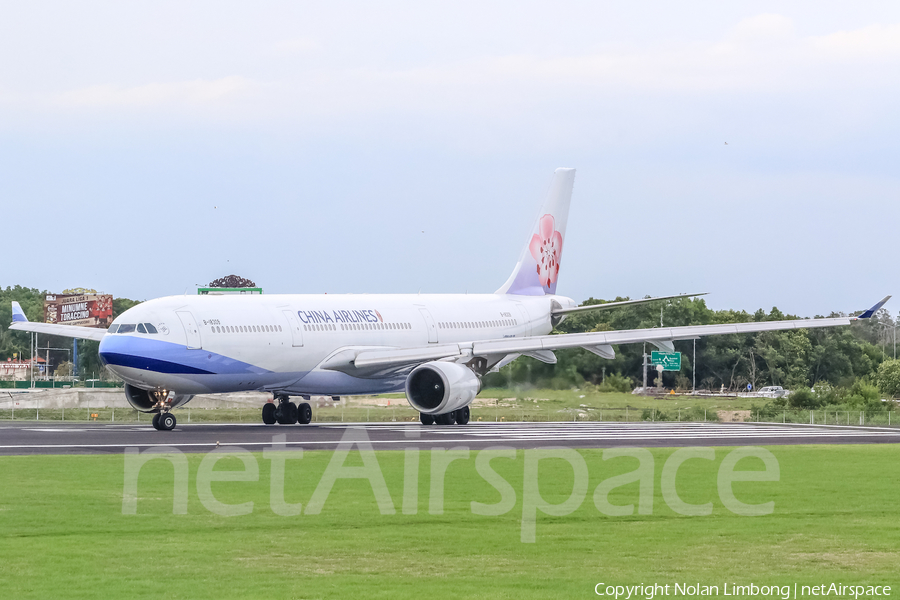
{"points": [[825, 393], [616, 383], [863, 395], [803, 398], [649, 414]]}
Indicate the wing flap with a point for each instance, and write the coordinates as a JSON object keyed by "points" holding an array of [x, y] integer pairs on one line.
{"points": [[375, 358]]}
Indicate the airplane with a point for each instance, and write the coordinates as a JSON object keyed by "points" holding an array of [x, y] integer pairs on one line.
{"points": [[434, 347]]}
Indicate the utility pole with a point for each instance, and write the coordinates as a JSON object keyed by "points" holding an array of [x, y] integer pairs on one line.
{"points": [[694, 369], [644, 353]]}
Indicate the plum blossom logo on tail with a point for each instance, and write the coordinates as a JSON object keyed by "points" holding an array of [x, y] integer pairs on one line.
{"points": [[546, 248]]}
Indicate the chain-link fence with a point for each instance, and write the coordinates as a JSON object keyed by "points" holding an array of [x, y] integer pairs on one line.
{"points": [[400, 411]]}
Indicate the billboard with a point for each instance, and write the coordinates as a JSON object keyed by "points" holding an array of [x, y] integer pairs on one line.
{"points": [[85, 310]]}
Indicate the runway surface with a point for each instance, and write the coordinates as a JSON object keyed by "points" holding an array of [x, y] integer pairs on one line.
{"points": [[67, 438]]}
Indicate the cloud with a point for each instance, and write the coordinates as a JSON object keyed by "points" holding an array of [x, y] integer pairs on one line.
{"points": [[196, 93], [760, 55], [874, 43], [296, 46]]}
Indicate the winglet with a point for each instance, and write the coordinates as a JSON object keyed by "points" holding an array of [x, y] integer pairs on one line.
{"points": [[18, 314], [868, 314]]}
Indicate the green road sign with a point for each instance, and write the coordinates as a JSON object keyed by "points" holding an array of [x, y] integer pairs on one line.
{"points": [[670, 361]]}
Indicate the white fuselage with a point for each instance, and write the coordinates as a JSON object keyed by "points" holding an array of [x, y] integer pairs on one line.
{"points": [[226, 343]]}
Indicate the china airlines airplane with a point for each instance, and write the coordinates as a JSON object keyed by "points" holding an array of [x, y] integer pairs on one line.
{"points": [[433, 347]]}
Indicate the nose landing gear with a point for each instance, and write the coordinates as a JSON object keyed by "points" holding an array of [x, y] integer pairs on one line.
{"points": [[163, 420]]}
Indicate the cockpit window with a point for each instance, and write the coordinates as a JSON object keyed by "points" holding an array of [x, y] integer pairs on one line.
{"points": [[113, 328], [126, 328], [150, 328], [140, 328]]}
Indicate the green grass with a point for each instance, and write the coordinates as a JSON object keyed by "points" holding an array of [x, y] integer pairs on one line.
{"points": [[63, 534]]}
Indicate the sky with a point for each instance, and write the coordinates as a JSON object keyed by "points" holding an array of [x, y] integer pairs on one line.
{"points": [[744, 149]]}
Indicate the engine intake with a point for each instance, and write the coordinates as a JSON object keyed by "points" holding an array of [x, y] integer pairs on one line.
{"points": [[146, 400], [436, 388]]}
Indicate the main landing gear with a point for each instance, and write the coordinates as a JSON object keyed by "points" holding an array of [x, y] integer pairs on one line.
{"points": [[459, 416], [164, 421], [286, 412]]}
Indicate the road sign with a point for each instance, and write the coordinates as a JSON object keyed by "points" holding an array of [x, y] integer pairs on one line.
{"points": [[670, 361]]}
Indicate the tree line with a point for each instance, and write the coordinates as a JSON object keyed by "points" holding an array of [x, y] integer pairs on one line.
{"points": [[832, 364], [835, 358]]}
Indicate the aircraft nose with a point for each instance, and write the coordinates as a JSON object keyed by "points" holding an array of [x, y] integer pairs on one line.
{"points": [[109, 347]]}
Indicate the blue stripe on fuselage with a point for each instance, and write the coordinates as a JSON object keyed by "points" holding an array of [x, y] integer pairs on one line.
{"points": [[166, 357]]}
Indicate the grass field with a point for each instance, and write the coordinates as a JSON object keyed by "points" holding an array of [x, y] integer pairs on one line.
{"points": [[63, 533]]}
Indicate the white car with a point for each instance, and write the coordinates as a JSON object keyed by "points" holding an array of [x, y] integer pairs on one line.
{"points": [[773, 391]]}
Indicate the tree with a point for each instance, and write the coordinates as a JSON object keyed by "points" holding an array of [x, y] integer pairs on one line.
{"points": [[888, 377]]}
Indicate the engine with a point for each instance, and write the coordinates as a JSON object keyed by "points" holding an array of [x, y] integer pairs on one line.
{"points": [[436, 388], [146, 400]]}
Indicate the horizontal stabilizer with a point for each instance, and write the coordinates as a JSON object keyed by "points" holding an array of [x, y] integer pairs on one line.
{"points": [[21, 323], [609, 305]]}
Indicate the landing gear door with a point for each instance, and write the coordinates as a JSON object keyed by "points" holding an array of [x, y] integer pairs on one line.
{"points": [[430, 326], [294, 326], [191, 329]]}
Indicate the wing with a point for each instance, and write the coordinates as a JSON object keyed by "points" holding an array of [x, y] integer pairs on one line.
{"points": [[541, 347], [21, 323]]}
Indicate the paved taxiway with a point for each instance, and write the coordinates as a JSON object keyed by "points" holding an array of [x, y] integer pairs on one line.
{"points": [[94, 438]]}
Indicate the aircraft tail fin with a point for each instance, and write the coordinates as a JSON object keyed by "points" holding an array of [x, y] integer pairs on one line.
{"points": [[537, 271]]}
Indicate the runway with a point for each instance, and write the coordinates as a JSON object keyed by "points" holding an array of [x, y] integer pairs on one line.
{"points": [[66, 438]]}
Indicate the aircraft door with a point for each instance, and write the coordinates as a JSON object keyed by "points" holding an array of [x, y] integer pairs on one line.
{"points": [[524, 318], [430, 326], [191, 329], [294, 326]]}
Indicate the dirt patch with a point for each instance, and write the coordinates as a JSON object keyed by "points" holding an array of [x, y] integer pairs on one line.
{"points": [[733, 416]]}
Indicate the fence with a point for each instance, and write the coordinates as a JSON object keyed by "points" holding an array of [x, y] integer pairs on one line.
{"points": [[60, 382], [402, 412]]}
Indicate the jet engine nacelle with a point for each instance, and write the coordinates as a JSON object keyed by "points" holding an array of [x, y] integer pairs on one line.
{"points": [[146, 400], [435, 388]]}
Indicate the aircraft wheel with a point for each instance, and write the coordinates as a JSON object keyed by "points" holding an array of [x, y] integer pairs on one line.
{"points": [[426, 419], [156, 421], [462, 415], [304, 413], [167, 422], [446, 418], [268, 413], [286, 413]]}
